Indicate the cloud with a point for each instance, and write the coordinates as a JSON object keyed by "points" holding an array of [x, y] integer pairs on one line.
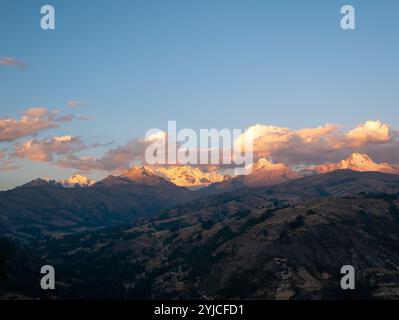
{"points": [[75, 103], [371, 131], [313, 134], [267, 138], [115, 159], [10, 61], [5, 163], [101, 144], [325, 143], [306, 146], [121, 158], [32, 121], [45, 150], [156, 136]]}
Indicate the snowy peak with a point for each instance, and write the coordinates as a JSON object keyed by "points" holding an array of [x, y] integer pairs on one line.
{"points": [[187, 176], [265, 172], [357, 162], [264, 164], [77, 181], [111, 181], [144, 175]]}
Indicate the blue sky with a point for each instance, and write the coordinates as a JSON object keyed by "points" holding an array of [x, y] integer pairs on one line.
{"points": [[205, 64]]}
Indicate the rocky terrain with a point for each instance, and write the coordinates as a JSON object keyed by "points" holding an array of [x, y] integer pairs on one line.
{"points": [[286, 241], [42, 209]]}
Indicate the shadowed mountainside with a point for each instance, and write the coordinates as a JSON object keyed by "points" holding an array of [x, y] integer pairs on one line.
{"points": [[334, 183], [43, 209], [277, 251], [286, 241]]}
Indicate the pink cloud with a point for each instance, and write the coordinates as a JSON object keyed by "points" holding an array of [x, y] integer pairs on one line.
{"points": [[13, 62], [370, 131], [75, 103], [32, 121], [45, 150], [325, 143], [118, 158], [314, 134], [5, 163], [307, 146]]}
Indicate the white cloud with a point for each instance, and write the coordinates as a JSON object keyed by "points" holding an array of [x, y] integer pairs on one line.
{"points": [[32, 121], [324, 143], [370, 131], [44, 150]]}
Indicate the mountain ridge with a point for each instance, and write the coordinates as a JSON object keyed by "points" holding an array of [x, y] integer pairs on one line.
{"points": [[357, 162]]}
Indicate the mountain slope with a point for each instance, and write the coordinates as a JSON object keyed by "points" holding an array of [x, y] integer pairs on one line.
{"points": [[357, 162], [286, 241], [19, 272], [145, 176], [271, 252], [46, 209], [337, 184], [263, 173]]}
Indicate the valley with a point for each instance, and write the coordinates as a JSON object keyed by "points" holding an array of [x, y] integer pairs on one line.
{"points": [[286, 241]]}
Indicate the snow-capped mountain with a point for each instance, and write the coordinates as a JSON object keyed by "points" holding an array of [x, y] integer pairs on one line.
{"points": [[77, 181], [264, 172], [357, 162], [261, 173], [145, 176], [187, 176]]}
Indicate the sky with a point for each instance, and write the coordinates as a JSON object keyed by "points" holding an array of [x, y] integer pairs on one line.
{"points": [[115, 69]]}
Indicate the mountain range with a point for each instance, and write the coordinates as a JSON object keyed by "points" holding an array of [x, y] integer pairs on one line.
{"points": [[188, 176], [43, 208], [263, 172], [272, 234], [286, 241], [53, 209]]}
